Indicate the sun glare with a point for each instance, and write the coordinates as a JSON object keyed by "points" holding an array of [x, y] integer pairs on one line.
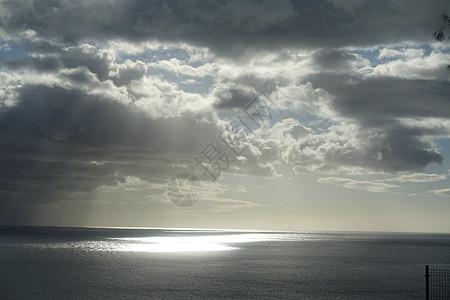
{"points": [[192, 243], [175, 244], [167, 244]]}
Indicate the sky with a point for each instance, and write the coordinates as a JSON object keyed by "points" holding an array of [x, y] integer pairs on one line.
{"points": [[271, 115]]}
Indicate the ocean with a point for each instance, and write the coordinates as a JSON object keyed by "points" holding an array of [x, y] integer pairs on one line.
{"points": [[83, 263]]}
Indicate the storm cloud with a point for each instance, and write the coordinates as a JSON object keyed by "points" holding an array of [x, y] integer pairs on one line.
{"points": [[226, 27], [94, 92]]}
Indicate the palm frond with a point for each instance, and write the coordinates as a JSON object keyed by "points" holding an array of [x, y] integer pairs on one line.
{"points": [[439, 35]]}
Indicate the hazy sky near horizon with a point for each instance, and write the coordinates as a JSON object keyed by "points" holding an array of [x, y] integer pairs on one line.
{"points": [[103, 102]]}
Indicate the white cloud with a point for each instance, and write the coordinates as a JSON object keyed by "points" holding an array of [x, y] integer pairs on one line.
{"points": [[304, 98], [214, 200], [414, 66], [370, 186], [287, 131], [128, 71], [240, 189], [441, 192], [4, 45], [179, 68], [418, 177], [402, 53]]}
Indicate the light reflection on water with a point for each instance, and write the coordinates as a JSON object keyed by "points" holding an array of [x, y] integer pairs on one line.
{"points": [[167, 244], [189, 243]]}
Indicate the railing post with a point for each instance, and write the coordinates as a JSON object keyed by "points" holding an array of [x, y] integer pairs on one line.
{"points": [[427, 280]]}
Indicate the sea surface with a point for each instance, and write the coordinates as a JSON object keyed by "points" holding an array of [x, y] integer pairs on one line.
{"points": [[81, 263]]}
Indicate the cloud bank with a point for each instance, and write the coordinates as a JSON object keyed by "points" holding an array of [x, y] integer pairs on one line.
{"points": [[96, 92]]}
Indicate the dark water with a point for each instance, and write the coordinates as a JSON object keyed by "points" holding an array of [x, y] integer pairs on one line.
{"points": [[136, 264]]}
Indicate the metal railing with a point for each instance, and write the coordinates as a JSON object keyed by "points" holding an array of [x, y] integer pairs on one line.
{"points": [[437, 283]]}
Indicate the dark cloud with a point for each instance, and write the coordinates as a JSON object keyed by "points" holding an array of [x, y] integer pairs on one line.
{"points": [[379, 98], [227, 27], [94, 59], [71, 117], [404, 149], [58, 141], [336, 60], [377, 106], [229, 97], [79, 60], [387, 151], [40, 64]]}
